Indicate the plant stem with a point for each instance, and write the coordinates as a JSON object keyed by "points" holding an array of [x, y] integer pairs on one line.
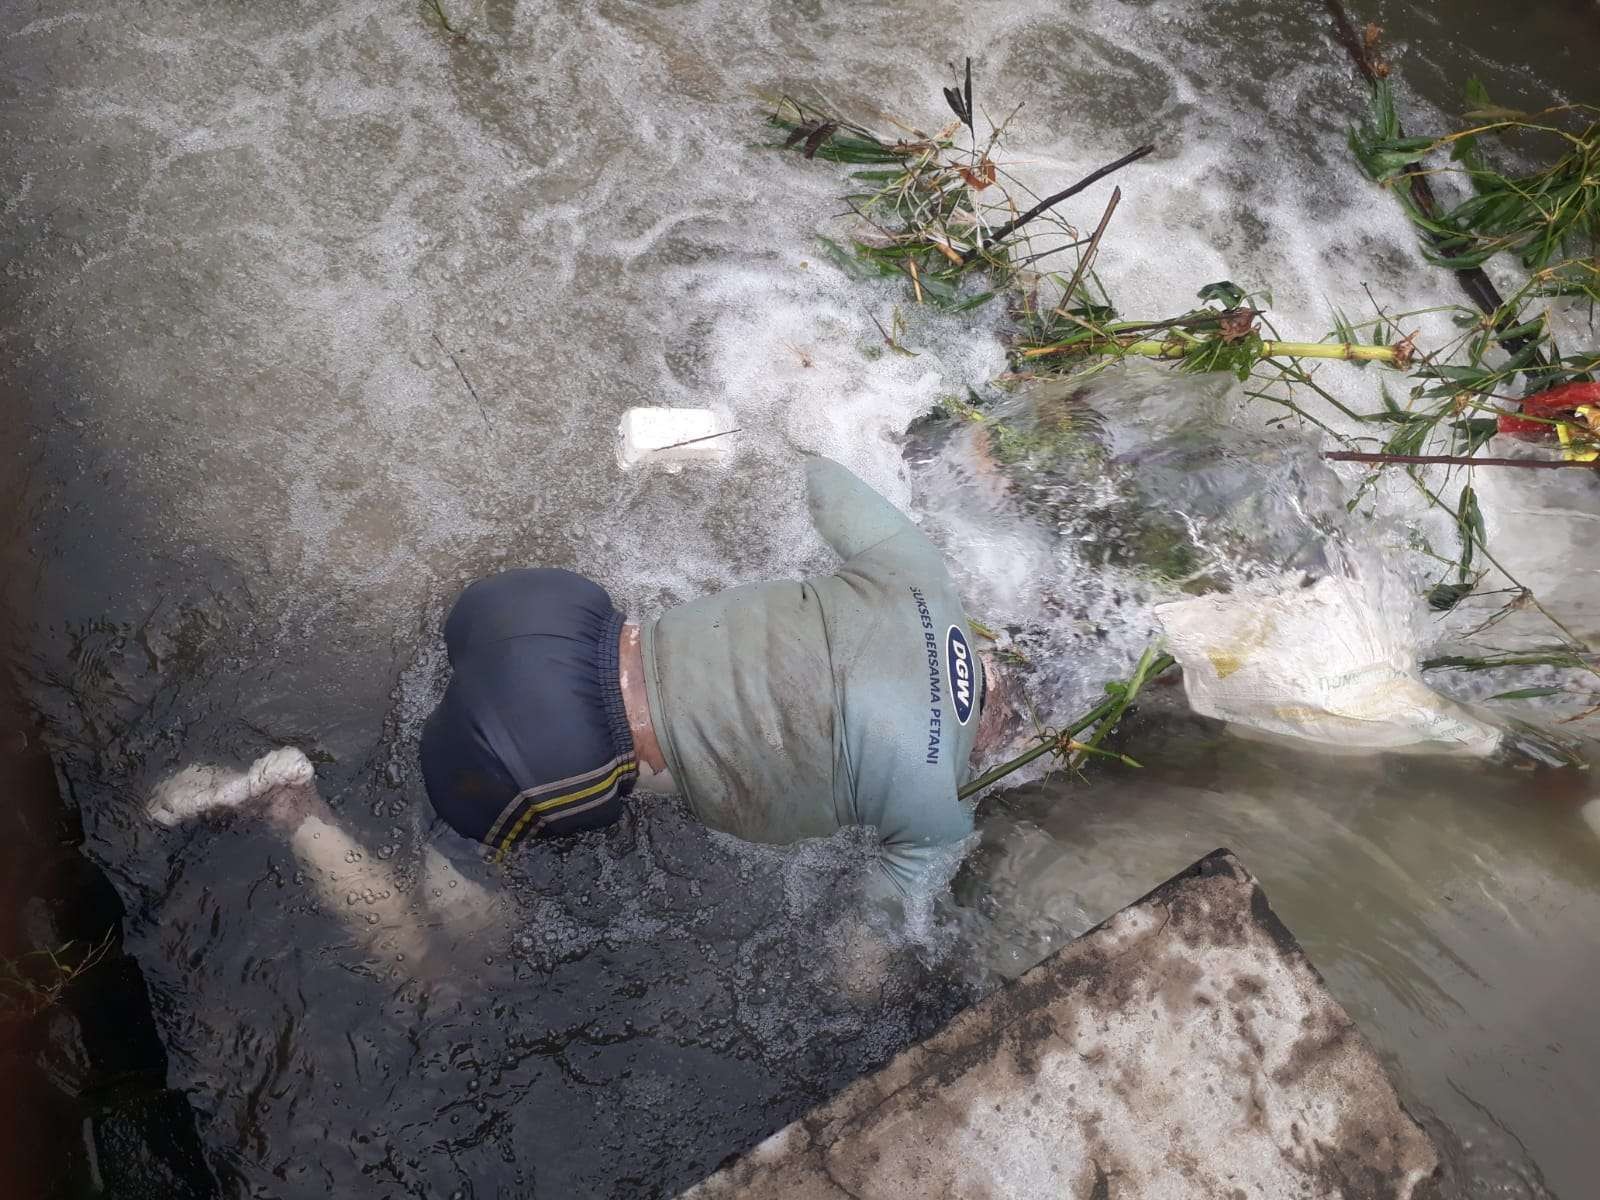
{"points": [[1049, 202], [994, 774], [1108, 712], [438, 11], [1094, 246], [1141, 675], [1455, 460], [1349, 351]]}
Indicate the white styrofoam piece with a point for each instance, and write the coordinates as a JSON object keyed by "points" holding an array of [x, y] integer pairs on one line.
{"points": [[671, 436]]}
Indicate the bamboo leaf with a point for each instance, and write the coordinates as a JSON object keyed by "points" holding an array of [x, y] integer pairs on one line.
{"points": [[1469, 525], [1469, 504], [1229, 293], [1473, 433], [1529, 693], [1551, 656], [1456, 374], [967, 97], [972, 302], [1494, 112]]}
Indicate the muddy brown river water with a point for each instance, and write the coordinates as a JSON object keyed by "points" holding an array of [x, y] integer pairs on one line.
{"points": [[314, 313]]}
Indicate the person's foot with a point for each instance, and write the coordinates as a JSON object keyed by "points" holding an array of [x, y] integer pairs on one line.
{"points": [[201, 790]]}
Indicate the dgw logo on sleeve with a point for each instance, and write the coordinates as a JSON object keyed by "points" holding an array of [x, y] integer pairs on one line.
{"points": [[958, 658]]}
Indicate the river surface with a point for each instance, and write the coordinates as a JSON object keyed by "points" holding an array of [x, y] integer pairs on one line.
{"points": [[314, 313]]}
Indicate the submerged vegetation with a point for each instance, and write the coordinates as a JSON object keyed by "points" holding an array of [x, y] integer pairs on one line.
{"points": [[956, 227], [944, 215], [33, 982], [959, 229], [1064, 744]]}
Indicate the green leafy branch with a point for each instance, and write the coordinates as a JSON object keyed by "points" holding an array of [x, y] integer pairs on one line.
{"points": [[929, 208], [1064, 742], [1544, 217], [951, 222]]}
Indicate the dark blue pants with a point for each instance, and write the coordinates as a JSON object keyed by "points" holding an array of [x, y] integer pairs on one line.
{"points": [[531, 737]]}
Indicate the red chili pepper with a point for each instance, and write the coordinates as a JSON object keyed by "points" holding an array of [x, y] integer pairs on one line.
{"points": [[1525, 429], [1534, 423], [1564, 398]]}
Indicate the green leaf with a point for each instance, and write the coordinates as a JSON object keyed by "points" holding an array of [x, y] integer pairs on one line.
{"points": [[1457, 374], [1095, 314], [1390, 162], [1473, 433], [1469, 505], [972, 302], [1225, 290], [1532, 329], [1409, 437], [1445, 596], [1405, 145], [1521, 359], [843, 259], [1469, 524], [939, 289], [1554, 656], [1458, 262], [1529, 693]]}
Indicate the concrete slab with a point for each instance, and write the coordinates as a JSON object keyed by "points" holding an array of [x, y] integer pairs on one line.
{"points": [[1184, 1048]]}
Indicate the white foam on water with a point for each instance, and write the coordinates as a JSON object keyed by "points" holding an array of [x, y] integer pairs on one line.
{"points": [[643, 249], [804, 365]]}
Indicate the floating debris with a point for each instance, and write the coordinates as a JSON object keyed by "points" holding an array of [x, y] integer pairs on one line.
{"points": [[943, 214]]}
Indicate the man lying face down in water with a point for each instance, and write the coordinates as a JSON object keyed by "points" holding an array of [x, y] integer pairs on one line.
{"points": [[779, 711]]}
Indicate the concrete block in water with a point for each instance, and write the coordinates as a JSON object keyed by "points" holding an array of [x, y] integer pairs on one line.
{"points": [[1184, 1048], [671, 436]]}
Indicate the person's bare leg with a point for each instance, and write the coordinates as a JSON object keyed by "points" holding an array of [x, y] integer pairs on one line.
{"points": [[282, 788]]}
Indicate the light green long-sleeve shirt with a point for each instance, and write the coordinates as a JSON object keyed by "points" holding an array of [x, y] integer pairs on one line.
{"points": [[788, 710]]}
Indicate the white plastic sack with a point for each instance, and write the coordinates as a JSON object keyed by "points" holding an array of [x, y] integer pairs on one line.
{"points": [[1543, 527], [1324, 663]]}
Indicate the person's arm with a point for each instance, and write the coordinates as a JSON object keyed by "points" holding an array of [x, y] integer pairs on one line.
{"points": [[917, 870], [850, 516]]}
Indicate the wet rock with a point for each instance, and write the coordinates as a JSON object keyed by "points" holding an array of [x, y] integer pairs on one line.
{"points": [[1186, 1047], [86, 1109], [145, 1149]]}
